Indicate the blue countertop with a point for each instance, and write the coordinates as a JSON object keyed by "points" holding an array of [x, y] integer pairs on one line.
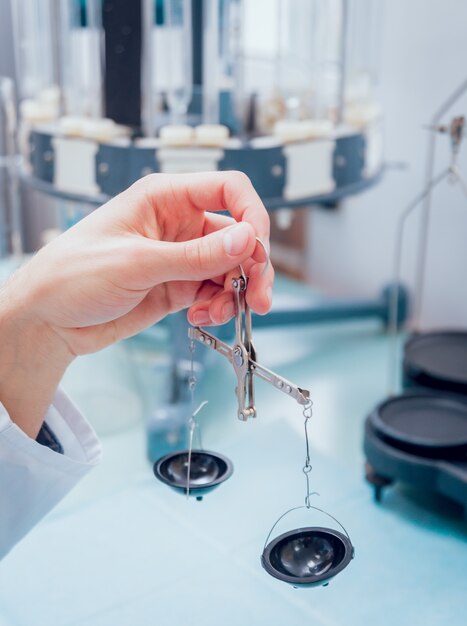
{"points": [[123, 549]]}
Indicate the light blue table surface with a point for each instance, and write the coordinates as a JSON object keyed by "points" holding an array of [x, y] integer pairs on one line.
{"points": [[122, 549]]}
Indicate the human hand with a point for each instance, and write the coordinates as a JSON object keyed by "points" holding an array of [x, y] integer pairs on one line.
{"points": [[156, 248]]}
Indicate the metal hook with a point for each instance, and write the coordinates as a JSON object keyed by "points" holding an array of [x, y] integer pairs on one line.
{"points": [[268, 260], [192, 423]]}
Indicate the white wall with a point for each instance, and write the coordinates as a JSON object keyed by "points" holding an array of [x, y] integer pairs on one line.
{"points": [[424, 57]]}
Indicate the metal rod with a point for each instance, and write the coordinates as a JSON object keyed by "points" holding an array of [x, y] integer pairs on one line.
{"points": [[426, 210], [394, 301]]}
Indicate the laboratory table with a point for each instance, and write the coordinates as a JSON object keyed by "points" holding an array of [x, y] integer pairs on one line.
{"points": [[123, 549]]}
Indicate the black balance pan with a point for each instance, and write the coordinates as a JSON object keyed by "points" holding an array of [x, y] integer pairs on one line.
{"points": [[208, 470], [436, 360], [307, 557], [423, 423]]}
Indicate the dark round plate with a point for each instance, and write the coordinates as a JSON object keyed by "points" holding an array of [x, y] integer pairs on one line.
{"points": [[437, 360], [208, 470], [307, 557], [428, 421]]}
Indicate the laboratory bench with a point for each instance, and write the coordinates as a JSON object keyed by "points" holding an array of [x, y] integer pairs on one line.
{"points": [[123, 549]]}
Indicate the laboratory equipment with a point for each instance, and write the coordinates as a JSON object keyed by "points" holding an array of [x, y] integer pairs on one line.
{"points": [[436, 360], [128, 89], [187, 85], [304, 557], [309, 556], [420, 437], [196, 473], [11, 242], [243, 357]]}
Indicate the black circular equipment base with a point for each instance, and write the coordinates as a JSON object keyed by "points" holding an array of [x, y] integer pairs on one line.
{"points": [[387, 463], [208, 470], [436, 360], [424, 423], [307, 557]]}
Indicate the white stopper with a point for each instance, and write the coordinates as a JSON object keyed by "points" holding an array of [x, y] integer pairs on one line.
{"points": [[211, 134], [298, 130], [99, 128], [35, 111], [71, 125], [362, 114], [176, 135]]}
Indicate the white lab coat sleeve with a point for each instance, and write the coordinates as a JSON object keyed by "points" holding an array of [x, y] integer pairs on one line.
{"points": [[34, 478]]}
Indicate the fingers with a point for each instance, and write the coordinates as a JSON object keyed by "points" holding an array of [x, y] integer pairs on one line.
{"points": [[215, 191], [203, 258], [219, 308], [259, 292], [214, 221]]}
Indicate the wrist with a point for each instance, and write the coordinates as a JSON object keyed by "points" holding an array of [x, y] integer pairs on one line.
{"points": [[33, 358]]}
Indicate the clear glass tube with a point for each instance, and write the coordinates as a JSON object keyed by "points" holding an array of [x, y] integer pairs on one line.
{"points": [[211, 72], [10, 208], [81, 57], [148, 78], [33, 38], [327, 38], [363, 51], [178, 26], [232, 60], [294, 67]]}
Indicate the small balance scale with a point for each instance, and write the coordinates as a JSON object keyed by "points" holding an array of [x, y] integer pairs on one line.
{"points": [[303, 557]]}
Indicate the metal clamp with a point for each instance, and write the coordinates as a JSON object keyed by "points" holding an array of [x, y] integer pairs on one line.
{"points": [[243, 357]]}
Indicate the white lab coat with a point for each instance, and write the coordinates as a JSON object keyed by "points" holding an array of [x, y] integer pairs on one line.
{"points": [[34, 478]]}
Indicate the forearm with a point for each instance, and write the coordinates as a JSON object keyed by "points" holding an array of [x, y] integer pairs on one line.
{"points": [[33, 359]]}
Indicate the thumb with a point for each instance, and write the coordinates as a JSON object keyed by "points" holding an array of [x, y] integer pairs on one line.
{"points": [[211, 255]]}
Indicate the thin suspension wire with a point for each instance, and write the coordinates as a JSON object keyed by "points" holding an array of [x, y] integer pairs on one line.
{"points": [[394, 296], [425, 220], [458, 178], [307, 414], [192, 422]]}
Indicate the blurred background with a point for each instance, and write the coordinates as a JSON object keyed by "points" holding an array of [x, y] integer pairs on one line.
{"points": [[331, 108], [349, 250]]}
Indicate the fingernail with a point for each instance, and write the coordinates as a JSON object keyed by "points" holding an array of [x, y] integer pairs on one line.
{"points": [[201, 317], [236, 239], [227, 311]]}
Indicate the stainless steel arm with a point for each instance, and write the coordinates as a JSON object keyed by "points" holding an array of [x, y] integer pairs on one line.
{"points": [[243, 356], [302, 396], [195, 333]]}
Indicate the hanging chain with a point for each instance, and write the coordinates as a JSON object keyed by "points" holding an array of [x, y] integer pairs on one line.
{"points": [[307, 414]]}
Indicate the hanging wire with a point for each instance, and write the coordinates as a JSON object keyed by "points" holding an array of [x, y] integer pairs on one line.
{"points": [[307, 414], [193, 424], [297, 508], [394, 296], [426, 210], [192, 381]]}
